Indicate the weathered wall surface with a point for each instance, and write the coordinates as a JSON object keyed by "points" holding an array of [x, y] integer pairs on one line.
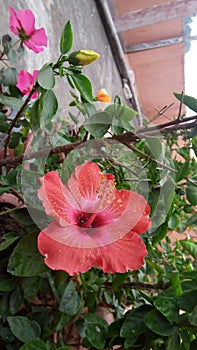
{"points": [[88, 34]]}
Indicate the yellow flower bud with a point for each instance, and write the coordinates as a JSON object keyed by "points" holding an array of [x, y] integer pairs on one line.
{"points": [[83, 57], [103, 96]]}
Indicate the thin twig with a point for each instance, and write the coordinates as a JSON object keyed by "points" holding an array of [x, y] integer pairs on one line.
{"points": [[14, 121], [141, 285]]}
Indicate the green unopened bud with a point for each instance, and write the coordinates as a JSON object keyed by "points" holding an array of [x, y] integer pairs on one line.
{"points": [[83, 57]]}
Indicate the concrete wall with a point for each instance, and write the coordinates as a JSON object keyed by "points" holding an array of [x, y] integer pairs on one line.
{"points": [[88, 34]]}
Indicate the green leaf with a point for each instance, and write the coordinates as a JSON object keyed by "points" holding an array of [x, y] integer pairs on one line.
{"points": [[168, 308], [9, 77], [35, 116], [156, 148], [46, 77], [134, 324], [191, 193], [66, 39], [192, 220], [49, 107], [187, 301], [194, 144], [3, 123], [70, 301], [12, 102], [6, 334], [84, 86], [158, 324], [189, 101], [8, 242], [24, 329], [25, 260], [98, 124], [190, 247], [176, 284], [173, 342], [95, 330], [34, 345], [7, 285], [16, 300], [182, 171], [193, 317]]}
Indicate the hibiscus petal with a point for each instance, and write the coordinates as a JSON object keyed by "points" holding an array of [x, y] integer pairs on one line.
{"points": [[14, 22], [144, 223], [27, 20], [88, 179], [51, 194], [39, 37], [123, 255], [25, 80], [32, 46], [128, 211], [93, 190]]}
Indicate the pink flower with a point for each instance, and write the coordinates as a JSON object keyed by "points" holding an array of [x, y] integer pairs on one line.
{"points": [[26, 82], [94, 224], [22, 23]]}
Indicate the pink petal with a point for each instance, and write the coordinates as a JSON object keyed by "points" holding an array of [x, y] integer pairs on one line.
{"points": [[14, 22], [128, 211], [89, 179], [93, 190], [25, 80], [144, 223], [32, 46], [27, 20], [35, 95], [123, 255], [51, 193], [39, 37], [35, 74]]}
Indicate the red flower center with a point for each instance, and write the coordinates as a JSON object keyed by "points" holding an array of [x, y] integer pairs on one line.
{"points": [[86, 220]]}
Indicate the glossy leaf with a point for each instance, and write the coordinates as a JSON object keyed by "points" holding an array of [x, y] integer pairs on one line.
{"points": [[66, 39], [46, 77], [49, 107], [156, 148], [70, 301], [98, 124], [189, 101], [84, 86], [183, 170], [6, 285], [95, 330], [34, 345], [16, 300], [24, 329], [190, 247], [9, 77], [193, 317], [159, 324], [167, 307], [25, 259], [12, 102], [134, 324], [191, 193], [194, 144]]}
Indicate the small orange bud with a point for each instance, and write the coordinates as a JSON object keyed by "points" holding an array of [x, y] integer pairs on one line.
{"points": [[103, 96]]}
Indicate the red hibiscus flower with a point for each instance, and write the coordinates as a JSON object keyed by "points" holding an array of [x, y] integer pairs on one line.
{"points": [[94, 224], [26, 82], [22, 23]]}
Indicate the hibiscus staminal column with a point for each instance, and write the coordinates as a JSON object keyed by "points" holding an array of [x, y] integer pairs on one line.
{"points": [[94, 224]]}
